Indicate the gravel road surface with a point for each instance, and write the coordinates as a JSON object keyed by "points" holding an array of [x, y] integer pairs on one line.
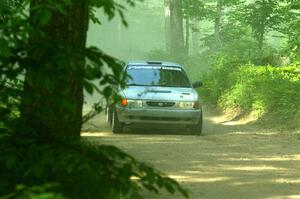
{"points": [[230, 160]]}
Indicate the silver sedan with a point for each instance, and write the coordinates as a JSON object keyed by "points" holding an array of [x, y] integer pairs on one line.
{"points": [[157, 93]]}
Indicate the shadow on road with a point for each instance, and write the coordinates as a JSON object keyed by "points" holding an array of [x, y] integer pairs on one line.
{"points": [[210, 127], [230, 160]]}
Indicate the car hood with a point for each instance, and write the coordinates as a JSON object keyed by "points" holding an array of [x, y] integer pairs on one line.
{"points": [[160, 93]]}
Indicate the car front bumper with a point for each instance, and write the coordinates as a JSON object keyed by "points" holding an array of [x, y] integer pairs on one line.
{"points": [[159, 115]]}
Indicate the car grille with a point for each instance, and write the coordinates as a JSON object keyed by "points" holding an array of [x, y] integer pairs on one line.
{"points": [[160, 104], [160, 118], [164, 119]]}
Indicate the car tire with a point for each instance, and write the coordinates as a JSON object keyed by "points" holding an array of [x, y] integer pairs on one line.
{"points": [[197, 129], [117, 126]]}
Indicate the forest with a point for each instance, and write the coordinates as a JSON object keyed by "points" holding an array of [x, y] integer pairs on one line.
{"points": [[59, 58], [240, 49]]}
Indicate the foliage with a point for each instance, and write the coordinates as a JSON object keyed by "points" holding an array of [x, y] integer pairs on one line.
{"points": [[194, 9], [16, 54], [74, 170], [9, 104], [39, 165], [291, 28], [268, 90], [11, 42], [251, 27], [219, 77], [262, 16], [45, 191], [263, 90]]}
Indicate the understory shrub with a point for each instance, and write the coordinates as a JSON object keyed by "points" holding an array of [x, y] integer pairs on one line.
{"points": [[264, 90], [219, 78]]}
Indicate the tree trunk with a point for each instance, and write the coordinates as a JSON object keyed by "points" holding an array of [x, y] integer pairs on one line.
{"points": [[168, 32], [195, 38], [52, 98], [187, 36], [177, 39], [217, 43], [262, 27], [261, 37], [174, 28]]}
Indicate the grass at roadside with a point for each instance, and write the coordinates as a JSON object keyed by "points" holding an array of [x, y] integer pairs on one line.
{"points": [[269, 94]]}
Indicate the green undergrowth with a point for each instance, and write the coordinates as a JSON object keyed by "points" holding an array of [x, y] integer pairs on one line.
{"points": [[270, 94]]}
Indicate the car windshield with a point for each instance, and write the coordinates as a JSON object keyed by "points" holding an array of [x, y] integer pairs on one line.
{"points": [[157, 76]]}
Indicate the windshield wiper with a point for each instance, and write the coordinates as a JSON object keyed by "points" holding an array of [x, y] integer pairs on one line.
{"points": [[158, 85], [165, 85]]}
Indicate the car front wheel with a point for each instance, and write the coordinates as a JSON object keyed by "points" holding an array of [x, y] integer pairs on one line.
{"points": [[197, 129], [117, 126]]}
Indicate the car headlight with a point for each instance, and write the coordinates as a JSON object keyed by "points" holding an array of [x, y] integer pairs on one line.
{"points": [[188, 105], [135, 103]]}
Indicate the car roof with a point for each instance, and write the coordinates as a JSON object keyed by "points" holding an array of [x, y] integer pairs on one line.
{"points": [[161, 63]]}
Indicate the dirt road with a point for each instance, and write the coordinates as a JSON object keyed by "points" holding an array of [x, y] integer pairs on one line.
{"points": [[230, 160]]}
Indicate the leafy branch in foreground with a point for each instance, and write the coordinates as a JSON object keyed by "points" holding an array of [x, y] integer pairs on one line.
{"points": [[41, 152], [76, 170]]}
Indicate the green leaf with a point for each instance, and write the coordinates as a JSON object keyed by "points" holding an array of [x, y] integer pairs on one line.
{"points": [[4, 49], [136, 195], [170, 188], [45, 16], [88, 86], [107, 92]]}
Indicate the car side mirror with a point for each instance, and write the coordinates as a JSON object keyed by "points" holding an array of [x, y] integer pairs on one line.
{"points": [[197, 84]]}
